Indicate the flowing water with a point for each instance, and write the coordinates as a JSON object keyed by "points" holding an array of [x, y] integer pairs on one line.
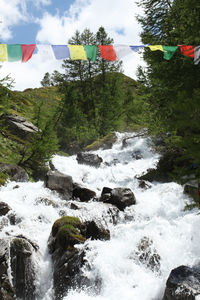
{"points": [[158, 216]]}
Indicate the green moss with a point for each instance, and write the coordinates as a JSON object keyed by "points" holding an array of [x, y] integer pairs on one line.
{"points": [[66, 231], [3, 178], [106, 140]]}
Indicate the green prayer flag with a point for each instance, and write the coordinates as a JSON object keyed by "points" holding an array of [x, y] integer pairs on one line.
{"points": [[14, 52], [91, 52], [169, 51]]}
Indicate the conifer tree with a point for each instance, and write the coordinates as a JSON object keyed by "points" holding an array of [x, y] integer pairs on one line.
{"points": [[172, 87]]}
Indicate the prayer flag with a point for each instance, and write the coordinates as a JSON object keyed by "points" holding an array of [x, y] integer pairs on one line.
{"points": [[169, 51], [122, 50], [156, 47], [27, 51], [46, 52], [187, 50], [91, 51], [108, 52], [137, 48], [196, 55], [61, 51], [14, 52], [3, 52], [77, 52]]}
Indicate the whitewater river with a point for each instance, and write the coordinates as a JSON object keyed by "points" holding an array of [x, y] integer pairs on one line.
{"points": [[158, 215]]}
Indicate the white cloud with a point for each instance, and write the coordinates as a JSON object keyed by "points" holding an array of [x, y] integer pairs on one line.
{"points": [[11, 13], [116, 16]]}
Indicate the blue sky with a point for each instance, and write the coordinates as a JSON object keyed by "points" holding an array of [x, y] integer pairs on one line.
{"points": [[54, 22]]}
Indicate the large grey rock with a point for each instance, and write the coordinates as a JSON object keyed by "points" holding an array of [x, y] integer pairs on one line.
{"points": [[20, 126], [120, 197], [89, 159], [16, 254], [183, 283], [60, 182], [15, 173], [68, 261]]}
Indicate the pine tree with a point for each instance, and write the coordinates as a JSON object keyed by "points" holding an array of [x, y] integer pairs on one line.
{"points": [[172, 87]]}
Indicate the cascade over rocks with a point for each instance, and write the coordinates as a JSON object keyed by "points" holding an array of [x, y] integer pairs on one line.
{"points": [[15, 173], [17, 253], [120, 197], [68, 260], [19, 126], [183, 283], [60, 182], [148, 255], [89, 159]]}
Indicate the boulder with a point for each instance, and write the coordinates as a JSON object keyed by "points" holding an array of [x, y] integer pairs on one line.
{"points": [[183, 283], [89, 159], [16, 256], [15, 173], [19, 126], [82, 193], [60, 182], [120, 197], [95, 232], [4, 208], [68, 260]]}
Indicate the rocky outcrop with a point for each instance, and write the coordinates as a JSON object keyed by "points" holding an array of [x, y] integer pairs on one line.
{"points": [[60, 182], [14, 172], [19, 126], [183, 284], [89, 159], [16, 254], [83, 193], [69, 260], [120, 197]]}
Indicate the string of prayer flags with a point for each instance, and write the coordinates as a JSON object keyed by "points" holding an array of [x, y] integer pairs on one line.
{"points": [[22, 52], [16, 52]]}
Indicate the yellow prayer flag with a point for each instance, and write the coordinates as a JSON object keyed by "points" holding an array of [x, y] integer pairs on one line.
{"points": [[156, 47], [3, 52], [77, 52]]}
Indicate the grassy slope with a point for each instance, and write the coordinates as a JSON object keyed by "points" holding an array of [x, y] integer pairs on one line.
{"points": [[22, 103]]}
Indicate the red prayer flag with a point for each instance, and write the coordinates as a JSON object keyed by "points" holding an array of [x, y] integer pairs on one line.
{"points": [[27, 51], [108, 52], [187, 50]]}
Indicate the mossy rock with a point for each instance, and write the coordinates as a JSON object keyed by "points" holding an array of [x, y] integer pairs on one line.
{"points": [[66, 230], [104, 143]]}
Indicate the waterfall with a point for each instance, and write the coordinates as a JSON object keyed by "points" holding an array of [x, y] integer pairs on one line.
{"points": [[158, 220]]}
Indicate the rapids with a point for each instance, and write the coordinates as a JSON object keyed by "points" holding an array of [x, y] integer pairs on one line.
{"points": [[158, 215]]}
